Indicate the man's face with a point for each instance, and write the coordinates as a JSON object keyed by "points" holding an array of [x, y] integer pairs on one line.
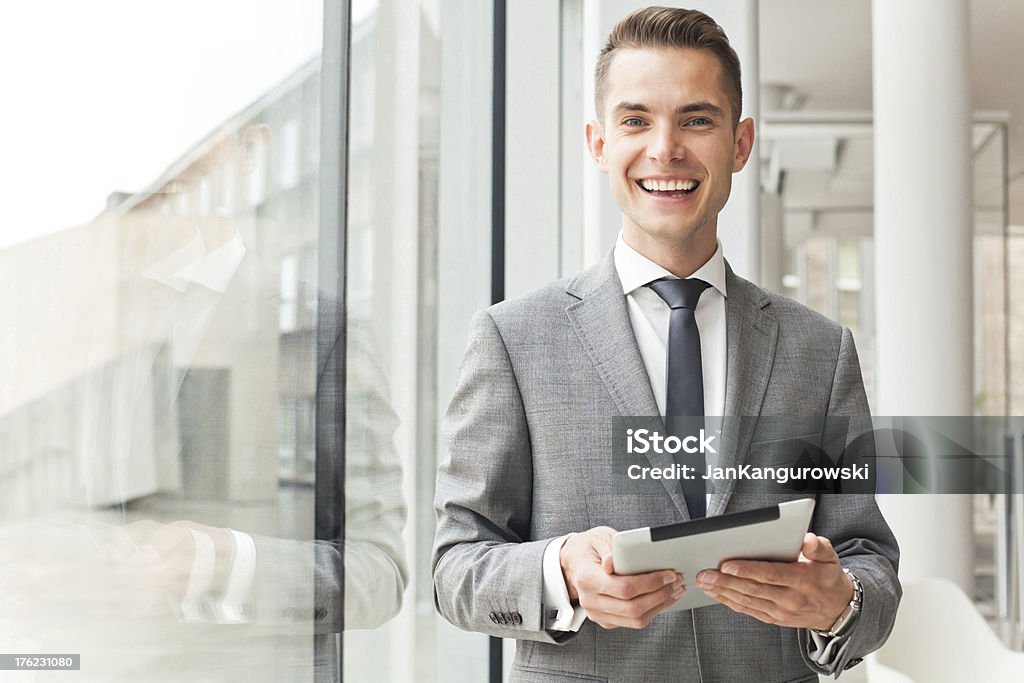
{"points": [[667, 143]]}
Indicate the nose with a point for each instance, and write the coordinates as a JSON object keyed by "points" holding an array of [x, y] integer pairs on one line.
{"points": [[666, 145]]}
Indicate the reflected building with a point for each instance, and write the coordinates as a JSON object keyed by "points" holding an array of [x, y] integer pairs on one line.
{"points": [[169, 345]]}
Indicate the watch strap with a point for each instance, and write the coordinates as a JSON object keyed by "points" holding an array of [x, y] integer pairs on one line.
{"points": [[849, 615]]}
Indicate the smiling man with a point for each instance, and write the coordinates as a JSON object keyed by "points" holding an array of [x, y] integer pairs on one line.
{"points": [[526, 500]]}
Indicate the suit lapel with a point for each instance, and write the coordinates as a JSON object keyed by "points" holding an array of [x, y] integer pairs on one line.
{"points": [[601, 320], [751, 339]]}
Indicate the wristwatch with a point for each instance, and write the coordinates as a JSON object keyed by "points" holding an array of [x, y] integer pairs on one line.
{"points": [[849, 614]]}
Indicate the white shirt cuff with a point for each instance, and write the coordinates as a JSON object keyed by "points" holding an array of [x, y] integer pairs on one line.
{"points": [[238, 587], [200, 576], [200, 591], [824, 650], [559, 614]]}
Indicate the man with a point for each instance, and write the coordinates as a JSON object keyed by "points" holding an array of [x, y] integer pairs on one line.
{"points": [[524, 502]]}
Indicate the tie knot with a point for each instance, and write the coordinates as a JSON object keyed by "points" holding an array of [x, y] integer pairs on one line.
{"points": [[680, 293]]}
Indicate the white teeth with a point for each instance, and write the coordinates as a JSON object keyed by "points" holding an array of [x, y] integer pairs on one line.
{"points": [[668, 185]]}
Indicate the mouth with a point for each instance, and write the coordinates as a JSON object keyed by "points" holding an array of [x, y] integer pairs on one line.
{"points": [[668, 187]]}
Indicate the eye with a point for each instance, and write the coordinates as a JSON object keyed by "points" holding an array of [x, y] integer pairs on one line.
{"points": [[633, 121], [700, 121]]}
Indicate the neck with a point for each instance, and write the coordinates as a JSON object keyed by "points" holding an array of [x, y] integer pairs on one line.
{"points": [[682, 259]]}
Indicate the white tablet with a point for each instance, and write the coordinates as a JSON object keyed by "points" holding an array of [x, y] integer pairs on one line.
{"points": [[774, 533]]}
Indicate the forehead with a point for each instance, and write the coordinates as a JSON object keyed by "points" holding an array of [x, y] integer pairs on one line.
{"points": [[664, 77]]}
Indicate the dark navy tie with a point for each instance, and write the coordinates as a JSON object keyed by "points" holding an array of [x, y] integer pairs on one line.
{"points": [[684, 395]]}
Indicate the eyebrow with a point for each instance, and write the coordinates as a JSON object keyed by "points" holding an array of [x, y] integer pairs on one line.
{"points": [[682, 109]]}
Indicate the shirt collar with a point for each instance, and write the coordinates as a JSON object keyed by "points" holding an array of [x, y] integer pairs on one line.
{"points": [[636, 270]]}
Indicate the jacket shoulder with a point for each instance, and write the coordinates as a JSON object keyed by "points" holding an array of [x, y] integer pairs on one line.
{"points": [[546, 306], [796, 321], [791, 312], [551, 297]]}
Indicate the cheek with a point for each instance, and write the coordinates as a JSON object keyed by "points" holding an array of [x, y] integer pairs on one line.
{"points": [[619, 157], [717, 155]]}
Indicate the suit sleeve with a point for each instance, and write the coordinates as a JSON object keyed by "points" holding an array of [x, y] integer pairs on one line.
{"points": [[852, 521], [487, 571]]}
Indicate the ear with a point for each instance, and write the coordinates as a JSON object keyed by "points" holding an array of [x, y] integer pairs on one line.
{"points": [[595, 143], [743, 144]]}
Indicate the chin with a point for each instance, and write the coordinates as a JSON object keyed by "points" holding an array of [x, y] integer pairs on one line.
{"points": [[674, 234]]}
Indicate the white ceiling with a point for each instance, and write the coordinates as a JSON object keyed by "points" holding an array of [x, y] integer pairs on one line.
{"points": [[822, 48]]}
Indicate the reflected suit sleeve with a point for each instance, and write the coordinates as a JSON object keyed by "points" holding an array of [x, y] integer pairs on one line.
{"points": [[299, 580]]}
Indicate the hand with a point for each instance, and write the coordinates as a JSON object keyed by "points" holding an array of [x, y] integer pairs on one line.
{"points": [[612, 601], [809, 593], [152, 562], [158, 566], [71, 572]]}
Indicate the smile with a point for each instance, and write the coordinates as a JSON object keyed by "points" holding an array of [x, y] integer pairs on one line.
{"points": [[673, 187]]}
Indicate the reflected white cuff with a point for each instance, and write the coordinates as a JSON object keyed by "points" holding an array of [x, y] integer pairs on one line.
{"points": [[200, 576], [559, 614], [237, 590]]}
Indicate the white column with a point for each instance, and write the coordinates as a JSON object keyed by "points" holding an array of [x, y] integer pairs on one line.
{"points": [[773, 235], [533, 173], [464, 248], [923, 243]]}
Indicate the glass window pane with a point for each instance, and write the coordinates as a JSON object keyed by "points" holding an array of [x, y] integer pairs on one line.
{"points": [[418, 257], [159, 358]]}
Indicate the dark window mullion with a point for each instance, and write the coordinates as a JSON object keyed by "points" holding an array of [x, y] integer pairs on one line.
{"points": [[331, 328], [497, 222]]}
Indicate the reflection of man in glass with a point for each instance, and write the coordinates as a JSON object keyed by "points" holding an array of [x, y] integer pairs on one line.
{"points": [[228, 576], [134, 599], [232, 577], [525, 500]]}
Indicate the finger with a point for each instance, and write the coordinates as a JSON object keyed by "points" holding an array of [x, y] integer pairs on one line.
{"points": [[775, 573], [607, 565], [599, 540], [628, 587], [610, 621], [636, 613], [141, 530], [716, 581], [635, 605], [819, 549], [169, 538], [743, 609], [747, 601]]}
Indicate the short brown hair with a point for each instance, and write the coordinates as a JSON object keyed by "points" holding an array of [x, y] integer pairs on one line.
{"points": [[666, 27]]}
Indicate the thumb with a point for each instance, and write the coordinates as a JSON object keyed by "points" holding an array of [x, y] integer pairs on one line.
{"points": [[606, 564], [818, 549]]}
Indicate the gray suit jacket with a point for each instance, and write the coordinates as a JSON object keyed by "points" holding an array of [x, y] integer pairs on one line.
{"points": [[529, 431]]}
